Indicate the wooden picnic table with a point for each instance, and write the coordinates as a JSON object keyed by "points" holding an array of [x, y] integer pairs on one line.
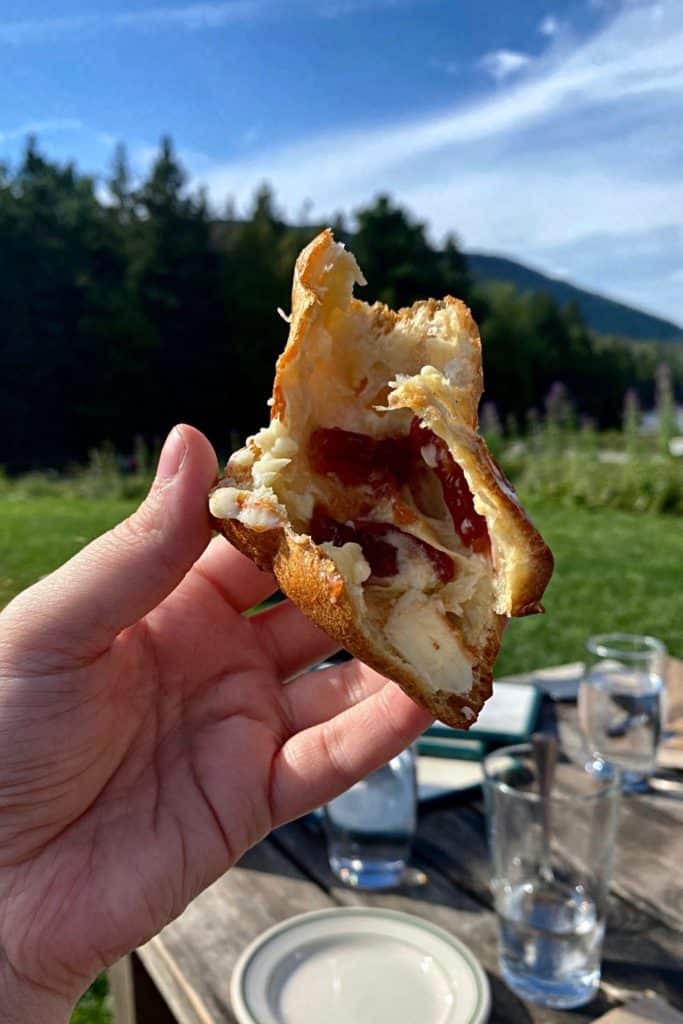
{"points": [[183, 974]]}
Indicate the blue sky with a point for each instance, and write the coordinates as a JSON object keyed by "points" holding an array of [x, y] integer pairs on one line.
{"points": [[549, 131]]}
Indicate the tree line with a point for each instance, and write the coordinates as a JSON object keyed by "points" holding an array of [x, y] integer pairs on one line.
{"points": [[129, 305]]}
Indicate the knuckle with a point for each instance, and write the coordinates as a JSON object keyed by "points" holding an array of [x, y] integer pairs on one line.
{"points": [[139, 527], [334, 751]]}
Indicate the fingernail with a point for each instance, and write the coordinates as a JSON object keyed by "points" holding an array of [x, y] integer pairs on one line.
{"points": [[172, 455]]}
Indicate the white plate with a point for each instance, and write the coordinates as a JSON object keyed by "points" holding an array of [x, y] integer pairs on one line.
{"points": [[358, 965]]}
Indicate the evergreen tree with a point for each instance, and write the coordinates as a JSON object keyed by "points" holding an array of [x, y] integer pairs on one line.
{"points": [[61, 284], [119, 317], [175, 273], [399, 263]]}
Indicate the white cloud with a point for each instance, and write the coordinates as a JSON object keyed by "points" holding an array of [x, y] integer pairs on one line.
{"points": [[107, 138], [143, 156], [48, 126], [608, 75], [343, 8], [191, 17], [500, 64], [194, 16], [578, 158], [549, 26]]}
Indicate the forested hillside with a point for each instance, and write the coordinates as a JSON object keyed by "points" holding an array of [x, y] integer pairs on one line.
{"points": [[600, 313], [129, 306]]}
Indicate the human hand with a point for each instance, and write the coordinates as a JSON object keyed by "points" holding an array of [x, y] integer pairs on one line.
{"points": [[147, 738]]}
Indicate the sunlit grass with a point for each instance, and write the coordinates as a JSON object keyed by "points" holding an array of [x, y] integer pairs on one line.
{"points": [[94, 1007], [614, 571], [38, 534]]}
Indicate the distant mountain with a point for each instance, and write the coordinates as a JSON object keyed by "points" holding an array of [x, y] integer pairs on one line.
{"points": [[601, 314]]}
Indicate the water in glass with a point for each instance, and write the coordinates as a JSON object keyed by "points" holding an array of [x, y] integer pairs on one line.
{"points": [[551, 898], [370, 828], [550, 941], [620, 715]]}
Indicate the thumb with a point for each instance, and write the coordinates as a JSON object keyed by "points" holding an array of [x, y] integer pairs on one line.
{"points": [[118, 578]]}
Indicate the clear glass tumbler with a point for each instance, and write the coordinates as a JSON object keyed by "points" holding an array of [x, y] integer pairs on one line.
{"points": [[551, 898], [620, 705], [370, 828]]}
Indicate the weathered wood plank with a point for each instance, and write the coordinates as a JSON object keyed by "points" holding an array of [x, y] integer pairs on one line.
{"points": [[120, 978], [192, 959], [650, 843], [640, 951], [135, 997], [570, 738], [443, 903], [649, 850]]}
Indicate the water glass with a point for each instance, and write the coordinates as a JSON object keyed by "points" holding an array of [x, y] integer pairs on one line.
{"points": [[370, 828], [550, 899], [620, 705]]}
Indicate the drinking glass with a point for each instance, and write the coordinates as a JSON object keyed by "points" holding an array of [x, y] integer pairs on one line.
{"points": [[620, 705], [550, 898], [370, 828]]}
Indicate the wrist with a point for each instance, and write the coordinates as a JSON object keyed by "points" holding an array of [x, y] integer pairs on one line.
{"points": [[23, 1002]]}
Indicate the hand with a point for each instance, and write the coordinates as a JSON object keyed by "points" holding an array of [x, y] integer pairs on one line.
{"points": [[147, 738]]}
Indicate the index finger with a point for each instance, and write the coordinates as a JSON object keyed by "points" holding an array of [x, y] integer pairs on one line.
{"points": [[318, 764], [231, 576]]}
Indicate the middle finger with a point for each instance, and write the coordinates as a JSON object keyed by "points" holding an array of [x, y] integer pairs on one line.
{"points": [[320, 695], [293, 641]]}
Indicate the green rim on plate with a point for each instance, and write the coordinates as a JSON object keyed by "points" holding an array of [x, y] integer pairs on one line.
{"points": [[262, 941]]}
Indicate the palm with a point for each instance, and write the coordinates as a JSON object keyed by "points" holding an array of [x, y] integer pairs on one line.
{"points": [[163, 757]]}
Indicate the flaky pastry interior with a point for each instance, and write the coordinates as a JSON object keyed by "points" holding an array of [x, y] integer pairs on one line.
{"points": [[372, 496]]}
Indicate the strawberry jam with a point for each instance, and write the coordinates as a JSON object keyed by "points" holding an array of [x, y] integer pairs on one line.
{"points": [[380, 554], [441, 562], [357, 459], [471, 527]]}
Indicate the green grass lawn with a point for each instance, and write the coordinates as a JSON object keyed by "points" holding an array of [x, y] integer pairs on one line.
{"points": [[614, 571], [39, 534]]}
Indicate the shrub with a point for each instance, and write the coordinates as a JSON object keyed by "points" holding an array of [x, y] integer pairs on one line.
{"points": [[106, 475], [602, 478], [555, 460]]}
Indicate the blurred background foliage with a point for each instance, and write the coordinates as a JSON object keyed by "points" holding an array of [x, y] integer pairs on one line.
{"points": [[128, 306]]}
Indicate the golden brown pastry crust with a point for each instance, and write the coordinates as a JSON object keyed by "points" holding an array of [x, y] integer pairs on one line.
{"points": [[442, 337], [312, 582]]}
